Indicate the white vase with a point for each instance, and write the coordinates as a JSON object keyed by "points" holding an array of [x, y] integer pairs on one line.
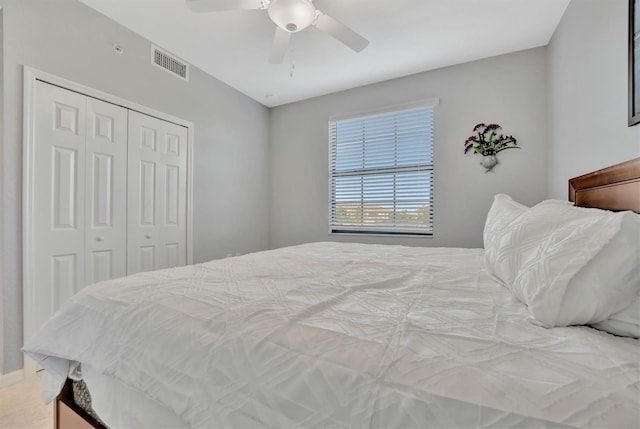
{"points": [[489, 162]]}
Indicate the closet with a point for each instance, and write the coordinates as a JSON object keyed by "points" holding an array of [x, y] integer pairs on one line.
{"points": [[107, 195]]}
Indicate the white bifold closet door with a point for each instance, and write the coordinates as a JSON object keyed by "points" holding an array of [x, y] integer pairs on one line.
{"points": [[156, 209], [109, 195], [79, 194]]}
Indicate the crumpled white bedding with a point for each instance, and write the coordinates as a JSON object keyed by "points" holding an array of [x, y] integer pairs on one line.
{"points": [[124, 407], [343, 335]]}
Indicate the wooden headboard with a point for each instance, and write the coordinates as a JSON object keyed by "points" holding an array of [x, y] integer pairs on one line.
{"points": [[612, 188]]}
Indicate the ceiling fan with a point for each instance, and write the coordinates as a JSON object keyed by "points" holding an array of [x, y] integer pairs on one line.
{"points": [[290, 16]]}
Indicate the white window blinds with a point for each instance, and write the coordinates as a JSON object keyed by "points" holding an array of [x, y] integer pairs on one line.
{"points": [[381, 173]]}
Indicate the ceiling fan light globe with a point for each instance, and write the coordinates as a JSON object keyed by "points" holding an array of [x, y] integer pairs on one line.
{"points": [[292, 15]]}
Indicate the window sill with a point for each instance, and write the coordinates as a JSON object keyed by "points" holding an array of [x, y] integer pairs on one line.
{"points": [[377, 234]]}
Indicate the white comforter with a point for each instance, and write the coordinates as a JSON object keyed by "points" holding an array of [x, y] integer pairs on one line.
{"points": [[343, 335]]}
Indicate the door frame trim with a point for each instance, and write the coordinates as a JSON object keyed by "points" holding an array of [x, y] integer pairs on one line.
{"points": [[30, 77]]}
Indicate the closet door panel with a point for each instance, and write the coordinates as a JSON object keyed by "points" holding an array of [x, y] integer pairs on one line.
{"points": [[106, 191], [174, 209], [144, 188], [57, 202], [156, 209]]}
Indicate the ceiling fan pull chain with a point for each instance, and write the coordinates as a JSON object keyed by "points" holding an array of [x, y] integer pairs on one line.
{"points": [[293, 64]]}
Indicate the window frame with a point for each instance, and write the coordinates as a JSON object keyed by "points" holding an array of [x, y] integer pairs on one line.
{"points": [[383, 231]]}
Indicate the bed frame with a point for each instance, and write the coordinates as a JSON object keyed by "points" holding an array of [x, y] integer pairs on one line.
{"points": [[68, 415], [613, 188]]}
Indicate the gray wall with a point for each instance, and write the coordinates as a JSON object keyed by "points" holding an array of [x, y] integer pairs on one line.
{"points": [[587, 59], [68, 39], [509, 90], [1, 187]]}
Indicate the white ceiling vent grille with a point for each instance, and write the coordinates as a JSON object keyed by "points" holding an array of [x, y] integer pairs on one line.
{"points": [[169, 63]]}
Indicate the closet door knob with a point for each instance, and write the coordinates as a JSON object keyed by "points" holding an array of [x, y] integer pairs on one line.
{"points": [[147, 236], [100, 238]]}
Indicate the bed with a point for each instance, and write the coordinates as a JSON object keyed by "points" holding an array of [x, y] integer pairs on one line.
{"points": [[342, 335]]}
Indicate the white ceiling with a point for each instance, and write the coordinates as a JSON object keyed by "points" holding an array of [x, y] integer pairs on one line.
{"points": [[406, 37]]}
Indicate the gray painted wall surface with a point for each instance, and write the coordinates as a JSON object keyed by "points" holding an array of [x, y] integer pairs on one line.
{"points": [[509, 90], [587, 77], [70, 40], [1, 187]]}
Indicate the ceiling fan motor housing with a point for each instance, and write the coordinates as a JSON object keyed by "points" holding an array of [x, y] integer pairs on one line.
{"points": [[292, 15]]}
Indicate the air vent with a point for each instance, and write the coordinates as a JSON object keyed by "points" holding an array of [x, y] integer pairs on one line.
{"points": [[170, 63]]}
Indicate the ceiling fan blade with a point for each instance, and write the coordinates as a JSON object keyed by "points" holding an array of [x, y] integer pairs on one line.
{"points": [[199, 6], [280, 45], [340, 32]]}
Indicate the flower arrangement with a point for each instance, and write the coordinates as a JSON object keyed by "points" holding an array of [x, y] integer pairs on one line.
{"points": [[487, 140]]}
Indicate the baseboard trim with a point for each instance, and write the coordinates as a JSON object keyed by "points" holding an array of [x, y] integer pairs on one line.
{"points": [[11, 378]]}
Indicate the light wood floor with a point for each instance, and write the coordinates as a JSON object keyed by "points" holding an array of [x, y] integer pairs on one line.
{"points": [[22, 408]]}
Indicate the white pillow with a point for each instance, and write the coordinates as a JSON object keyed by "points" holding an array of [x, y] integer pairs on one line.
{"points": [[555, 259], [614, 270], [503, 213], [625, 323]]}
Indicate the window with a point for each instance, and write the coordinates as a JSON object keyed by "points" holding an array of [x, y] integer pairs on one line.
{"points": [[381, 173]]}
